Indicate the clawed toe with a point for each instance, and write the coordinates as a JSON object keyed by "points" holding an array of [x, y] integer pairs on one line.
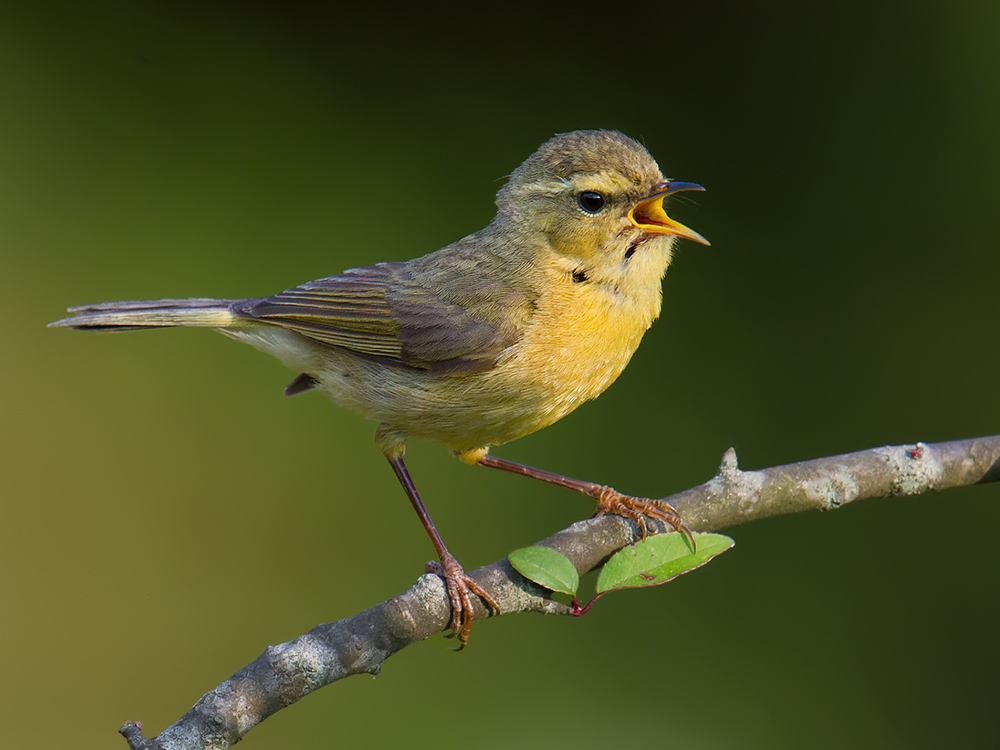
{"points": [[638, 509], [461, 587]]}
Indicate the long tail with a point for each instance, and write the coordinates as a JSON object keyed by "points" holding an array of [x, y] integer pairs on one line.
{"points": [[157, 313]]}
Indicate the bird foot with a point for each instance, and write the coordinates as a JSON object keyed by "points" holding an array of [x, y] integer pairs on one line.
{"points": [[460, 589], [639, 509]]}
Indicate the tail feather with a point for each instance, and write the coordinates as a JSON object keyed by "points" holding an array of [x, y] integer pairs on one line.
{"points": [[131, 315]]}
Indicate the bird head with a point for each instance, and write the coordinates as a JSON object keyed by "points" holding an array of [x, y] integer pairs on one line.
{"points": [[596, 198]]}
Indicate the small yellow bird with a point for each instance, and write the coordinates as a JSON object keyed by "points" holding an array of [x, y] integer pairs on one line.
{"points": [[485, 340]]}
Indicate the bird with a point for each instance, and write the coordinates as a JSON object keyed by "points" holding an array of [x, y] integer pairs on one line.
{"points": [[485, 340]]}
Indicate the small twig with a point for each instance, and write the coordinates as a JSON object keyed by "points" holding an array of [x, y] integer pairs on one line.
{"points": [[285, 673]]}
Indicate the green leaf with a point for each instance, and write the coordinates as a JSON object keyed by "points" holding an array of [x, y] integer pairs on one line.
{"points": [[547, 568], [658, 559]]}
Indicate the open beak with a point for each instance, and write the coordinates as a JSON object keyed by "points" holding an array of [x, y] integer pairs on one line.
{"points": [[649, 216]]}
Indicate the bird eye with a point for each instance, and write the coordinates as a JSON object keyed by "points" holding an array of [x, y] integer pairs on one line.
{"points": [[590, 201]]}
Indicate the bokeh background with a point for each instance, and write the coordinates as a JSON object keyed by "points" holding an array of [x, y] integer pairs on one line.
{"points": [[167, 513]]}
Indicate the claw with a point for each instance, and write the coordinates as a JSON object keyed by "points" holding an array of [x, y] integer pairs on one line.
{"points": [[460, 587], [638, 509]]}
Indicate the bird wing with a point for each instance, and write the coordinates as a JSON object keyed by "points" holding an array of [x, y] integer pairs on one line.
{"points": [[383, 311]]}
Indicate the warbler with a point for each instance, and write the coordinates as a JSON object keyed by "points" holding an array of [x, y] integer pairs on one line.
{"points": [[486, 340]]}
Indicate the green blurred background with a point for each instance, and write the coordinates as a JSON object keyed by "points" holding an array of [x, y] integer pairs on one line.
{"points": [[167, 514]]}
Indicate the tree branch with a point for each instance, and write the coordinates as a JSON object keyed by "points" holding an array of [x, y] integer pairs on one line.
{"points": [[285, 673]]}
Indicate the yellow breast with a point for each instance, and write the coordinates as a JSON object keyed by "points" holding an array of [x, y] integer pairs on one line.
{"points": [[580, 339]]}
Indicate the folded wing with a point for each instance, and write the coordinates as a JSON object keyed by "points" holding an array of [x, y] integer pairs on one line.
{"points": [[383, 311]]}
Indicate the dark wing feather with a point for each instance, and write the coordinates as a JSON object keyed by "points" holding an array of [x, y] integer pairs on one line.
{"points": [[382, 311]]}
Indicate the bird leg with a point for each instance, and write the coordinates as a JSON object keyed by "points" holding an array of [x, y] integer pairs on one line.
{"points": [[609, 500], [460, 586]]}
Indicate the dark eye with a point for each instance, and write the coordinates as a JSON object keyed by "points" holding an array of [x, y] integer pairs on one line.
{"points": [[590, 201]]}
